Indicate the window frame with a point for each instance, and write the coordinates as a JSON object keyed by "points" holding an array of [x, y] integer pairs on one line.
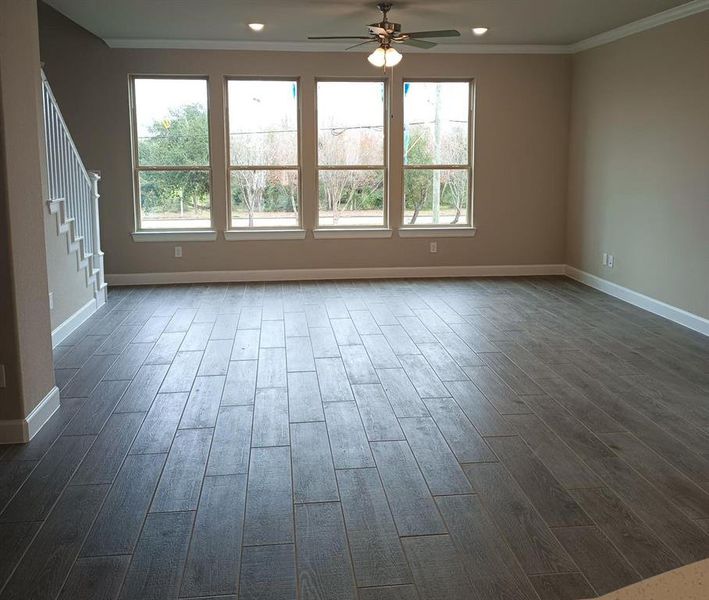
{"points": [[319, 230], [138, 213], [468, 225], [236, 232]]}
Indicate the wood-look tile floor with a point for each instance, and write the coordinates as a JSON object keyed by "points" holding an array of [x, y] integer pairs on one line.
{"points": [[441, 439]]}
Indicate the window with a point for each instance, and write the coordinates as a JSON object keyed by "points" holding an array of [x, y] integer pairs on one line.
{"points": [[263, 153], [171, 153], [351, 156], [437, 153]]}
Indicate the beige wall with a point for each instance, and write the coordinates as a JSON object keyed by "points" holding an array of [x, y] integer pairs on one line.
{"points": [[8, 326], [25, 326], [639, 163], [520, 166]]}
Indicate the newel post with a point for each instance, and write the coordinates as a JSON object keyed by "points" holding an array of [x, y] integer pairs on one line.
{"points": [[96, 225]]}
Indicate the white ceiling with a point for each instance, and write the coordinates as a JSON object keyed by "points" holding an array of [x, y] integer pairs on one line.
{"points": [[529, 22]]}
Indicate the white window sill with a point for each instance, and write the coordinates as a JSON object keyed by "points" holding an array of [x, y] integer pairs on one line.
{"points": [[339, 234], [415, 232], [207, 235], [264, 234]]}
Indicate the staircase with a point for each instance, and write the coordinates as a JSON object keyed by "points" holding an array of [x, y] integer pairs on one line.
{"points": [[73, 195]]}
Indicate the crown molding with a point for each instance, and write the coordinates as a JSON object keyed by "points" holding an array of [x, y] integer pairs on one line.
{"points": [[667, 16], [661, 18], [162, 44]]}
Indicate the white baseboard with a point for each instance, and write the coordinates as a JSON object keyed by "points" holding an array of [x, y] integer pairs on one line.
{"points": [[652, 305], [343, 273], [20, 431], [69, 326]]}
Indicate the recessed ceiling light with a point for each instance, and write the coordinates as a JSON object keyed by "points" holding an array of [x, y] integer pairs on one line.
{"points": [[480, 30], [256, 26]]}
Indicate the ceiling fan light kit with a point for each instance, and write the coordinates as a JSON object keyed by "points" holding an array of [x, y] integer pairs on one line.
{"points": [[386, 33], [381, 57]]}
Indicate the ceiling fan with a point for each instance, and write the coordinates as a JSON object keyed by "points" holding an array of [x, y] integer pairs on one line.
{"points": [[386, 33]]}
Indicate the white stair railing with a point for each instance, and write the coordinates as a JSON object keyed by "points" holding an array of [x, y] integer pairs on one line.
{"points": [[73, 192]]}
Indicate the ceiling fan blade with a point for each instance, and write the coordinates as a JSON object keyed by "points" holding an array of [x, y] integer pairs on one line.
{"points": [[430, 34], [361, 44], [419, 43], [338, 37]]}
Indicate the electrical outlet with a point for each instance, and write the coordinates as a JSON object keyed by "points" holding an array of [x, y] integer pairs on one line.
{"points": [[51, 300], [2, 376], [433, 247], [611, 260], [605, 259], [178, 251]]}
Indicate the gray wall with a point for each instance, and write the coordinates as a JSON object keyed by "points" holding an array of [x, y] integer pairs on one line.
{"points": [[639, 163], [520, 160]]}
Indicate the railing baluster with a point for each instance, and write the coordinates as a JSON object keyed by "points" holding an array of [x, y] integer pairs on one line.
{"points": [[49, 120], [52, 151], [45, 121], [68, 179]]}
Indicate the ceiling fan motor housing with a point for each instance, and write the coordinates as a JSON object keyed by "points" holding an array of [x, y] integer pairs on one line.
{"points": [[385, 24]]}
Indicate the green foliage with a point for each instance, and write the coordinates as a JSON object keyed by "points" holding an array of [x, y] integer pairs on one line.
{"points": [[180, 140]]}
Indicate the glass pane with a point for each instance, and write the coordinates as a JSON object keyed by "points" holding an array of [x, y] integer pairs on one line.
{"points": [[263, 123], [351, 123], [172, 123], [351, 198], [174, 199], [436, 197], [266, 198], [436, 123]]}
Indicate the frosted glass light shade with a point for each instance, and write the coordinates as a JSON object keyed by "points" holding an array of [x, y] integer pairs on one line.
{"points": [[385, 57], [378, 57]]}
